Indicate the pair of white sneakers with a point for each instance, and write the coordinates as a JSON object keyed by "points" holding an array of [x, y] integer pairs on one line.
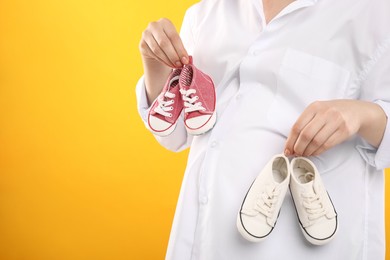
{"points": [[261, 206]]}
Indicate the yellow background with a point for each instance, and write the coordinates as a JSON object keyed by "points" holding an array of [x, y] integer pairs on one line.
{"points": [[80, 177]]}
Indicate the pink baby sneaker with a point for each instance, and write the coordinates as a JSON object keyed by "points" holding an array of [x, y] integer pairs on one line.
{"points": [[166, 109], [199, 97]]}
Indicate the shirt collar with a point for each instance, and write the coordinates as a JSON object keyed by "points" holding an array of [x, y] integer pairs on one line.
{"points": [[296, 5]]}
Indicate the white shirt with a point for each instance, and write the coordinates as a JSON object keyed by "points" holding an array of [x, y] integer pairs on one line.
{"points": [[265, 75]]}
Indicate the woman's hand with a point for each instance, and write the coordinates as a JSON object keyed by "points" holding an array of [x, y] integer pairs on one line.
{"points": [[160, 41], [324, 124], [161, 50]]}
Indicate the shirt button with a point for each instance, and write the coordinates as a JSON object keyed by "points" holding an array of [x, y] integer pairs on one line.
{"points": [[238, 96], [214, 144], [204, 200]]}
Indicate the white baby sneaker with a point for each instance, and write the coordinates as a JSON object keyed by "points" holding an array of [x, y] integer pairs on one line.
{"points": [[260, 208], [316, 213]]}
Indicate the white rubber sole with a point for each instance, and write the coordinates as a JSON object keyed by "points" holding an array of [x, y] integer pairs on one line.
{"points": [[317, 242], [245, 234], [166, 132], [205, 128]]}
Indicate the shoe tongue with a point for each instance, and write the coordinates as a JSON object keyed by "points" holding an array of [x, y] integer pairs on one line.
{"points": [[308, 181], [174, 82], [306, 177], [309, 176], [186, 77], [309, 186]]}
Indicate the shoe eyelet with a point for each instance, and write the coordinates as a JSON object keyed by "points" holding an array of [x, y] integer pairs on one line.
{"points": [[170, 115]]}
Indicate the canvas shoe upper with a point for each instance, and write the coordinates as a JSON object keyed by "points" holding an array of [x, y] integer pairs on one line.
{"points": [[316, 213], [261, 206], [198, 94], [167, 107]]}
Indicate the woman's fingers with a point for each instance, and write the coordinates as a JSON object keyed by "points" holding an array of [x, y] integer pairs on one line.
{"points": [[322, 139], [153, 50], [164, 48], [308, 134], [296, 130], [336, 138], [161, 41], [322, 125], [177, 44]]}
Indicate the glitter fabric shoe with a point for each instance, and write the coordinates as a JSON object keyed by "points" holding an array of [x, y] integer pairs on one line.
{"points": [[166, 109], [261, 206], [316, 213], [199, 98]]}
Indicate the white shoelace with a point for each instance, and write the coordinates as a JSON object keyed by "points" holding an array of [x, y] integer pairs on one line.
{"points": [[313, 202], [266, 202], [165, 106], [189, 103], [314, 206]]}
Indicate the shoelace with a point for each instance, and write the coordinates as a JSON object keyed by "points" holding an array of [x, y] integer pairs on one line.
{"points": [[266, 202], [165, 106], [190, 103], [313, 202], [314, 207]]}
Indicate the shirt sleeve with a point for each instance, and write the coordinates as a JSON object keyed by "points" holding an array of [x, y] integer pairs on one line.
{"points": [[178, 140], [376, 88]]}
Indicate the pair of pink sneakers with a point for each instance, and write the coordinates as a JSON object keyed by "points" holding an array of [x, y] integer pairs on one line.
{"points": [[187, 89]]}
